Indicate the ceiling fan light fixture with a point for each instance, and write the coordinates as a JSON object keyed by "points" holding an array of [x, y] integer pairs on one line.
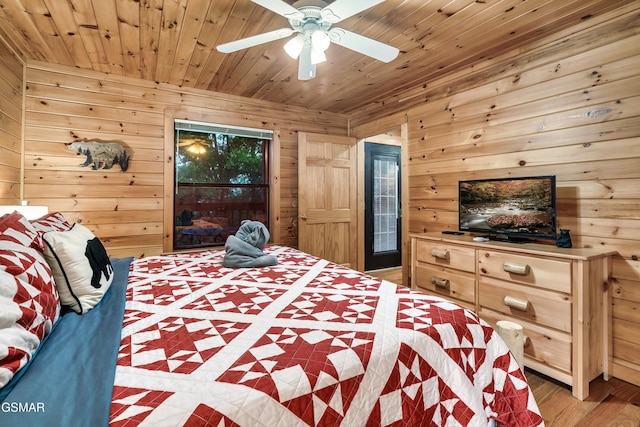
{"points": [[320, 40], [294, 46], [319, 43], [317, 56]]}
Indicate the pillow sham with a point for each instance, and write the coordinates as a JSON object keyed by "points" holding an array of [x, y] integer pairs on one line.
{"points": [[54, 221], [80, 265], [29, 302], [16, 228]]}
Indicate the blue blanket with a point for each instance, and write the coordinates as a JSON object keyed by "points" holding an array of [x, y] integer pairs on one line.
{"points": [[69, 382]]}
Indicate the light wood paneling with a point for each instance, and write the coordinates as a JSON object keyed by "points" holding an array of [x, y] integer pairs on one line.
{"points": [[568, 106], [174, 42], [11, 71], [127, 209]]}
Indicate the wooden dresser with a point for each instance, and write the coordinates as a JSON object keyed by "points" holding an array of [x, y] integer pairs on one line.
{"points": [[560, 297]]}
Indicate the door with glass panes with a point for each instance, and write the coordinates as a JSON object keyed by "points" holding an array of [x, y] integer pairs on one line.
{"points": [[383, 234]]}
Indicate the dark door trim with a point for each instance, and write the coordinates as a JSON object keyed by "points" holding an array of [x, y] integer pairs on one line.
{"points": [[391, 257]]}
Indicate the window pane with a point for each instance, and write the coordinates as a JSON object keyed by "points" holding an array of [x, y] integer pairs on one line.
{"points": [[221, 180], [206, 216], [223, 159], [385, 205]]}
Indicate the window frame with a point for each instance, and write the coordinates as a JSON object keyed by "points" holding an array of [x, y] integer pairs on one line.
{"points": [[226, 213], [214, 116]]}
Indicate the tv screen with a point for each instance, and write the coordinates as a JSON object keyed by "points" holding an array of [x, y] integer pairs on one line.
{"points": [[509, 207]]}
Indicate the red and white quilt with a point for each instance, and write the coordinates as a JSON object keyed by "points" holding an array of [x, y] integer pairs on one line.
{"points": [[304, 343]]}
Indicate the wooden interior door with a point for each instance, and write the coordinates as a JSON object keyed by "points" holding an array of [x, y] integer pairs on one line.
{"points": [[327, 197]]}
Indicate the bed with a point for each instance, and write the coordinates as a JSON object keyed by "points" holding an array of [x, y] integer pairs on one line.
{"points": [[181, 340]]}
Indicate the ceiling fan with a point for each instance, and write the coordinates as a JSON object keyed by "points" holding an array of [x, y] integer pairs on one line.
{"points": [[312, 20]]}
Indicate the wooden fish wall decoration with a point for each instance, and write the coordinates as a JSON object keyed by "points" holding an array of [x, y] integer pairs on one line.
{"points": [[102, 155]]}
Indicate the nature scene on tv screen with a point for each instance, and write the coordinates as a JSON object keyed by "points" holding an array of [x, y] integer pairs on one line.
{"points": [[509, 206]]}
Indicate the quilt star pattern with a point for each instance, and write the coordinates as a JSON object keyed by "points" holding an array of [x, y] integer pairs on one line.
{"points": [[304, 343]]}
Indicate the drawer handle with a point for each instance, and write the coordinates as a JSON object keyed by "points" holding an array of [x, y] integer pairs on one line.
{"points": [[440, 282], [517, 303], [440, 253], [520, 269]]}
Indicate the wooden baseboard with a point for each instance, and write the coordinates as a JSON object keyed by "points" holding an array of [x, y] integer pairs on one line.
{"points": [[626, 372]]}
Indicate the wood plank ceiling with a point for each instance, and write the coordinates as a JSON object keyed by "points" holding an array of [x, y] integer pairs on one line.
{"points": [[173, 41]]}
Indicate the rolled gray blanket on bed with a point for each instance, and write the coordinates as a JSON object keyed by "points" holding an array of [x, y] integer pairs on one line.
{"points": [[245, 248], [254, 233]]}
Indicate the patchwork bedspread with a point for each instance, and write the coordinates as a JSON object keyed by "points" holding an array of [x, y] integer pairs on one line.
{"points": [[305, 342]]}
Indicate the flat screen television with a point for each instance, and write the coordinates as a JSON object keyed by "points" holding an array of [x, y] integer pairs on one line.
{"points": [[509, 208]]}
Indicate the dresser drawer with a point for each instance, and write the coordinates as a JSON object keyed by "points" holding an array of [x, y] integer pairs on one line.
{"points": [[445, 282], [446, 255], [547, 346], [545, 273], [543, 307]]}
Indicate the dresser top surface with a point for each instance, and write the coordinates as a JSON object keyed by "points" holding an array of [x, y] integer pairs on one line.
{"points": [[538, 248]]}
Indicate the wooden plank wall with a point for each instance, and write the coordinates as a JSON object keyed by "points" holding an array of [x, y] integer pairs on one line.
{"points": [[568, 106], [125, 209], [11, 71]]}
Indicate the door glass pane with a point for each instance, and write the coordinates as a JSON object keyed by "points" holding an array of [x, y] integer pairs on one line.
{"points": [[385, 204]]}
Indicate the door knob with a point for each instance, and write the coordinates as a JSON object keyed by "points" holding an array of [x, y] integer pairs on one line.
{"points": [[303, 217]]}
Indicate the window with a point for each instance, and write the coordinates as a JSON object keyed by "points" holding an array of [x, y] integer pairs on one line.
{"points": [[385, 204], [222, 178]]}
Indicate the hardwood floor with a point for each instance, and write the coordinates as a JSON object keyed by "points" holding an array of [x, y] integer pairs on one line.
{"points": [[610, 403]]}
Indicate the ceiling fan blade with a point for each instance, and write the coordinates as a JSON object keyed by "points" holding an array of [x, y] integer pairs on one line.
{"points": [[254, 40], [342, 9], [306, 70], [281, 8], [364, 45]]}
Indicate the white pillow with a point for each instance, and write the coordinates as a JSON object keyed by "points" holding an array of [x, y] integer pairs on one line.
{"points": [[80, 265]]}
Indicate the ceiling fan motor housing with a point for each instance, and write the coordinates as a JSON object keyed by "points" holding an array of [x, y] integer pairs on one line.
{"points": [[312, 19]]}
